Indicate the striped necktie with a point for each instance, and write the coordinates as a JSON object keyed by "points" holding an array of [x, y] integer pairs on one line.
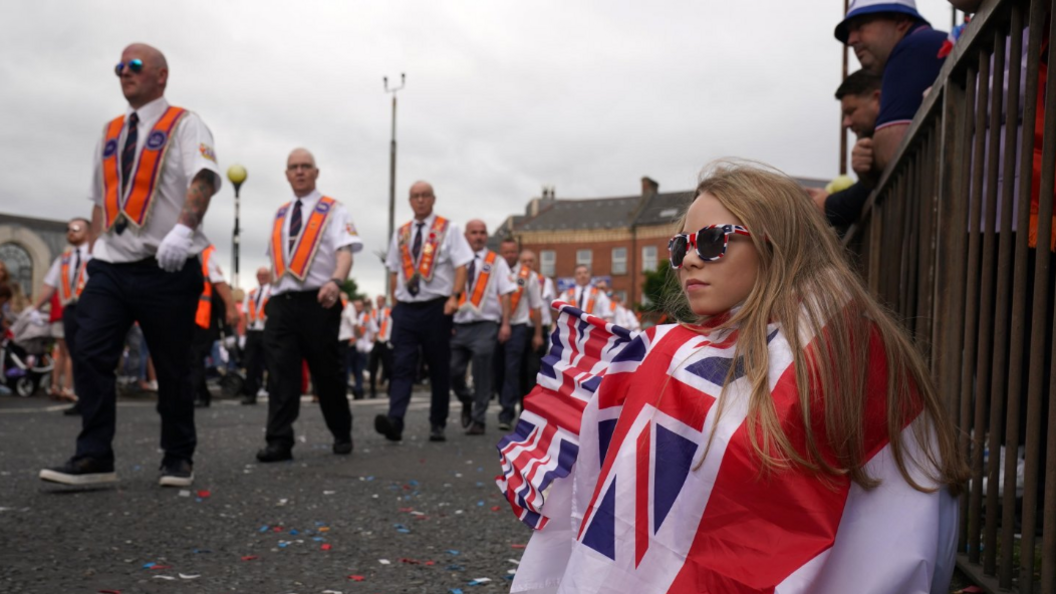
{"points": [[128, 157], [295, 224]]}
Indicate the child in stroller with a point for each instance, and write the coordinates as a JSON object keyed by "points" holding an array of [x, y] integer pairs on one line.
{"points": [[25, 355]]}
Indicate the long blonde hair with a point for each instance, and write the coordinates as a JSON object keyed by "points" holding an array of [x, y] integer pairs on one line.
{"points": [[808, 288]]}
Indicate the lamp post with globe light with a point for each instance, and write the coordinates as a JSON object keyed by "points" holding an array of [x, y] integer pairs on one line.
{"points": [[237, 174]]}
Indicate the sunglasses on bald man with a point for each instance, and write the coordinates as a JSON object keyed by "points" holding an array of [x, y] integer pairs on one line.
{"points": [[136, 66]]}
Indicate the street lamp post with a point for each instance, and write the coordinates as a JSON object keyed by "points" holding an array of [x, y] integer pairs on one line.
{"points": [[237, 175], [392, 171]]}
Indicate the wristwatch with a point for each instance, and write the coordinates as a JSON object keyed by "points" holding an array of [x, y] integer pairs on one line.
{"points": [[336, 281]]}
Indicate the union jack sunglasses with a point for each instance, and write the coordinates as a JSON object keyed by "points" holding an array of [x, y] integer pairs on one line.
{"points": [[710, 243]]}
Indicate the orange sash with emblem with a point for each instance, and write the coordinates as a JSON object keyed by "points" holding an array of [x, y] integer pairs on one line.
{"points": [[481, 285], [430, 251], [522, 284], [254, 313], [383, 318], [308, 242], [590, 299], [144, 181], [70, 291], [205, 300]]}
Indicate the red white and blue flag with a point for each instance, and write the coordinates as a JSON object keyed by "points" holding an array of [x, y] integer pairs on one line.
{"points": [[608, 464]]}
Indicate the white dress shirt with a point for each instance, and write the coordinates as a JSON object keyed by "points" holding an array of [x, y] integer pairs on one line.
{"points": [[454, 252], [530, 298], [498, 284], [365, 342], [189, 151], [601, 301], [347, 330], [339, 232], [54, 276], [259, 297], [548, 294]]}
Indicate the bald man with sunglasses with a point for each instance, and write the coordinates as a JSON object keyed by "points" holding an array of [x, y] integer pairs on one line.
{"points": [[154, 174]]}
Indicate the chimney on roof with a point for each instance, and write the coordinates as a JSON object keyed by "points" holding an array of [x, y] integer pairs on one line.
{"points": [[537, 205], [649, 186]]}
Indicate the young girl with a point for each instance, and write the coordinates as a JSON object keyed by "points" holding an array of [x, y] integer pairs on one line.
{"points": [[789, 440]]}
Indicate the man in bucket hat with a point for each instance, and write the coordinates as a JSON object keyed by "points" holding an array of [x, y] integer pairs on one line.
{"points": [[891, 39]]}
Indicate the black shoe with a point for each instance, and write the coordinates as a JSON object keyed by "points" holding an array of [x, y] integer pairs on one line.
{"points": [[201, 404], [467, 415], [475, 429], [247, 399], [73, 411], [81, 472], [179, 473], [437, 434], [357, 394], [505, 426], [274, 453], [344, 447], [386, 426]]}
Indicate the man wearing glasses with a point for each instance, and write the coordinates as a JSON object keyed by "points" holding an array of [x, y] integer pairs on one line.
{"points": [[154, 174], [311, 246], [427, 257], [67, 276]]}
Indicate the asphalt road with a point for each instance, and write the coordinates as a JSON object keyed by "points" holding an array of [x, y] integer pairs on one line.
{"points": [[409, 517]]}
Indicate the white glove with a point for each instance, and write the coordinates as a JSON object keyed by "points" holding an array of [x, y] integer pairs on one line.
{"points": [[173, 250], [35, 317]]}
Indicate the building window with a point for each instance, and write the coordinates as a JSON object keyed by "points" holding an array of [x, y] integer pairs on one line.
{"points": [[619, 260], [19, 265], [584, 258], [649, 258], [547, 262]]}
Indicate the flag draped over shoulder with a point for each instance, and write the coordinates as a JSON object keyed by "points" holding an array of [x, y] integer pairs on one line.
{"points": [[607, 464]]}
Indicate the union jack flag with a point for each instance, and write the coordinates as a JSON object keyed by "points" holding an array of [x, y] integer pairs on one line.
{"points": [[650, 512]]}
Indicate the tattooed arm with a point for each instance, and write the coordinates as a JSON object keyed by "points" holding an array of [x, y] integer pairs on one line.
{"points": [[197, 202]]}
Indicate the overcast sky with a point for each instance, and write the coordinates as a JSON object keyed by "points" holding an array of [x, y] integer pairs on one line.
{"points": [[501, 98]]}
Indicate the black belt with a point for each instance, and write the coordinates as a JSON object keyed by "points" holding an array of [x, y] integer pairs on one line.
{"points": [[298, 295], [475, 323], [422, 304]]}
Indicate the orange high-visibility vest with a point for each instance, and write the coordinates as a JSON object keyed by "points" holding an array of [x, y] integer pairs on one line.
{"points": [[71, 291], [144, 181], [522, 284], [481, 284], [308, 242], [205, 300]]}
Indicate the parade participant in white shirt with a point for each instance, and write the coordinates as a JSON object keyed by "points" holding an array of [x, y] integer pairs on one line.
{"points": [[311, 247], [155, 172], [253, 308], [209, 319], [482, 324], [381, 354], [67, 276], [427, 259], [346, 337], [363, 343], [547, 294], [586, 297], [526, 332]]}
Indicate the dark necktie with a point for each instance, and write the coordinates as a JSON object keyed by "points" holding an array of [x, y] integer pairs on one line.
{"points": [[259, 293], [76, 269], [295, 224], [417, 247], [128, 157], [472, 274], [582, 290]]}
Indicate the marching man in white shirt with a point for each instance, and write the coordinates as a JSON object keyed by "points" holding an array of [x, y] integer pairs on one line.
{"points": [[526, 333], [427, 258], [586, 297], [365, 331], [155, 172], [381, 354], [67, 276], [482, 324], [311, 247], [253, 308]]}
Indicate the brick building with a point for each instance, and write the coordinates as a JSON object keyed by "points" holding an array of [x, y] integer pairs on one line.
{"points": [[621, 237]]}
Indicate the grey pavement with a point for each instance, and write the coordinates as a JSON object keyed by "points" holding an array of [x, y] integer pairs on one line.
{"points": [[408, 517]]}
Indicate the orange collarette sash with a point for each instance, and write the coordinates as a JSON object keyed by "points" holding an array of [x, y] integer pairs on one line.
{"points": [[70, 291], [591, 298], [307, 244], [481, 284], [141, 187], [385, 316], [430, 251], [522, 283], [254, 313], [205, 300]]}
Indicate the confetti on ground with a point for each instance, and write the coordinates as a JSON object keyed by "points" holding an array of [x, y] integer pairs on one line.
{"points": [[294, 533], [165, 577], [410, 561], [332, 592], [204, 494], [187, 576], [384, 561], [479, 581], [329, 492], [452, 552], [325, 547], [496, 508], [401, 528], [518, 546], [109, 591], [455, 568], [198, 551], [249, 557], [514, 561], [185, 493], [455, 591], [265, 528], [356, 578]]}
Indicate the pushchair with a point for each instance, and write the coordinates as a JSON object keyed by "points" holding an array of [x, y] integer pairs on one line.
{"points": [[25, 355]]}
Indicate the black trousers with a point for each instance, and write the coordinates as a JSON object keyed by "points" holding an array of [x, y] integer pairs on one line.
{"points": [[421, 325], [163, 303], [254, 362], [69, 330], [380, 355], [201, 347], [299, 328]]}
